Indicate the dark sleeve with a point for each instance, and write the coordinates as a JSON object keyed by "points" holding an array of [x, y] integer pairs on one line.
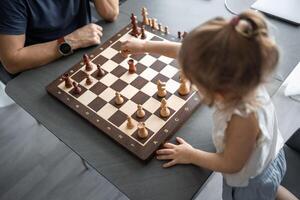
{"points": [[294, 141], [13, 17]]}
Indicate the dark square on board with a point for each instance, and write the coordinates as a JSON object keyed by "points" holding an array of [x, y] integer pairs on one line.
{"points": [[118, 118], [97, 104]]}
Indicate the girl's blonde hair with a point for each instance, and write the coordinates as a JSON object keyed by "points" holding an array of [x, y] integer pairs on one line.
{"points": [[229, 57]]}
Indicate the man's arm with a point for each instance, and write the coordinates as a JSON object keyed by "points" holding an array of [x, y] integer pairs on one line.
{"points": [[16, 58], [108, 9]]}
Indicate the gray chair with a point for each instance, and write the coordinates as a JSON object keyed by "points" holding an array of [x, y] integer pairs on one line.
{"points": [[291, 180]]}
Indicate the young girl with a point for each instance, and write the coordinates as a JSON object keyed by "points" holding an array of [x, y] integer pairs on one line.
{"points": [[229, 61]]}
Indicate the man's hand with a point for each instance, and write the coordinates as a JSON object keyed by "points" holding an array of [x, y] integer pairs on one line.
{"points": [[178, 154], [133, 46], [84, 37]]}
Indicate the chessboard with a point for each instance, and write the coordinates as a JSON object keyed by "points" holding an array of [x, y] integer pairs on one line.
{"points": [[95, 101]]}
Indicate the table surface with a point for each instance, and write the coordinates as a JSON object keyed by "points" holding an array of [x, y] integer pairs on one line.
{"points": [[136, 179]]}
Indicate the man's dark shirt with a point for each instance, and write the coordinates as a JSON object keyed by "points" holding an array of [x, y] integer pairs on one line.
{"points": [[43, 20]]}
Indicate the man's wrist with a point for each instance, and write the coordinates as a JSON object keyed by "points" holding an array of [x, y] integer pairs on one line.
{"points": [[64, 47]]}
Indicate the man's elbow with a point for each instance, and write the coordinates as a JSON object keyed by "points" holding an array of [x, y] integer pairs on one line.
{"points": [[111, 16]]}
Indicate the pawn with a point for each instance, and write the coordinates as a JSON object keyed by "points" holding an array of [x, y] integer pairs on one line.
{"points": [[142, 130], [143, 36], [155, 24], [68, 82], [164, 110], [87, 62], [179, 35], [140, 113], [132, 67], [185, 86], [88, 80], [100, 71], [130, 124], [77, 89], [160, 28], [166, 30], [161, 89], [119, 99]]}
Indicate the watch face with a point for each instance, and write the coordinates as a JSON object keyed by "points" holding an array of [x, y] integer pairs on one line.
{"points": [[65, 48]]}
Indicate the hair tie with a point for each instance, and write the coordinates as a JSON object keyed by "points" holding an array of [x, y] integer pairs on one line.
{"points": [[235, 20]]}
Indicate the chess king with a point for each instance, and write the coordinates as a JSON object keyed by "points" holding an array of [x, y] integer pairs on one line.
{"points": [[28, 42]]}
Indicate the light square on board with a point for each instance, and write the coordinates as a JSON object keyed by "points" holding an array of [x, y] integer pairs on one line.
{"points": [[129, 108], [108, 94], [154, 123], [149, 74], [165, 59], [151, 105], [175, 102], [149, 89], [107, 111], [109, 66], [129, 91], [172, 86], [108, 79], [147, 60], [109, 53], [128, 78], [169, 71], [87, 97]]}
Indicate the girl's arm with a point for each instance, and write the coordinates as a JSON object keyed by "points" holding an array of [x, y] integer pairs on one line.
{"points": [[136, 46], [241, 138]]}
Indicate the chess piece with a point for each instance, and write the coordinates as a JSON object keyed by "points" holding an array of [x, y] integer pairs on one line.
{"points": [[135, 30], [77, 89], [155, 25], [161, 89], [130, 124], [166, 30], [68, 82], [164, 110], [100, 71], [160, 28], [184, 34], [185, 86], [145, 16], [152, 22], [119, 100], [140, 113], [88, 80], [132, 67], [143, 35], [87, 62], [179, 35], [142, 130]]}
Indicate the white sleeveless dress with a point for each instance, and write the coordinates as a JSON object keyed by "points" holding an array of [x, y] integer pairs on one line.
{"points": [[267, 146]]}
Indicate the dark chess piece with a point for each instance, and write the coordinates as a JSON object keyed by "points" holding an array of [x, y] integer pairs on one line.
{"points": [[68, 82], [77, 89]]}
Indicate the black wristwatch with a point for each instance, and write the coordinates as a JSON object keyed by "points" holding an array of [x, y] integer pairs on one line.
{"points": [[64, 48]]}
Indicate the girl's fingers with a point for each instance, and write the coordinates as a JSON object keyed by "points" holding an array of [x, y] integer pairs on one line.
{"points": [[164, 151], [164, 157], [170, 164], [169, 145], [180, 140]]}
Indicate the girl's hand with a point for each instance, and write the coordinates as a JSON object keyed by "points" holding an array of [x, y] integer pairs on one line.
{"points": [[133, 46], [178, 154]]}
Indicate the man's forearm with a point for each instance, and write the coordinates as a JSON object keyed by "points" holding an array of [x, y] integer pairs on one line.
{"points": [[32, 56], [169, 49], [108, 9]]}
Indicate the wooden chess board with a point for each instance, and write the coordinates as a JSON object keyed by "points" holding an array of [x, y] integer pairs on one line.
{"points": [[96, 101]]}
